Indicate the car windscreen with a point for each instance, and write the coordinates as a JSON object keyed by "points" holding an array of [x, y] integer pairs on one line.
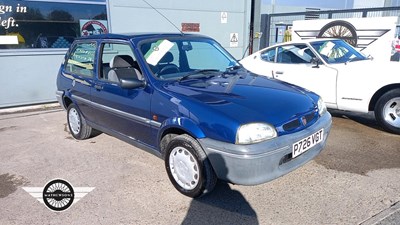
{"points": [[175, 58], [337, 51]]}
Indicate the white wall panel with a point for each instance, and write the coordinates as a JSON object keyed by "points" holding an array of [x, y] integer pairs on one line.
{"points": [[142, 18], [28, 79]]}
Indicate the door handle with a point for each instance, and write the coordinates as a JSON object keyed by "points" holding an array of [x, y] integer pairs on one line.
{"points": [[276, 73], [98, 87]]}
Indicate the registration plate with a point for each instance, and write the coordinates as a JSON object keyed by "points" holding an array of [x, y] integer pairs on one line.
{"points": [[306, 143]]}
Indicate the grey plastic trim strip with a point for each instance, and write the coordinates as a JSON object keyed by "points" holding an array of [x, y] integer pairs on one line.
{"points": [[119, 112]]}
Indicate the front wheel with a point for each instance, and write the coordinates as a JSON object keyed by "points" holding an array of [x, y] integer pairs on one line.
{"points": [[77, 124], [188, 168], [387, 111]]}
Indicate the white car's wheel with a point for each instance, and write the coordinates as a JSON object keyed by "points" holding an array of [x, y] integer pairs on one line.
{"points": [[387, 111], [188, 167], [77, 124]]}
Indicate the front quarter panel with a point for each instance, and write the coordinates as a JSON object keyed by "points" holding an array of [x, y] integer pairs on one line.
{"points": [[182, 123], [175, 111], [359, 81]]}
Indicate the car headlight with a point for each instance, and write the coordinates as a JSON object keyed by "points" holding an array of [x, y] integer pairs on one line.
{"points": [[254, 132], [321, 107]]}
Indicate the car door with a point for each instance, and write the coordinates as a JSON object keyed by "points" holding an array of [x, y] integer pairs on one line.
{"points": [[293, 64], [79, 68], [122, 110]]}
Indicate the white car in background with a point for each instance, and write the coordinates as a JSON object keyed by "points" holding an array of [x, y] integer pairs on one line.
{"points": [[345, 78]]}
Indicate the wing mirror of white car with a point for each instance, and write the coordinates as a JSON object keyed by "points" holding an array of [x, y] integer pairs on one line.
{"points": [[315, 62]]}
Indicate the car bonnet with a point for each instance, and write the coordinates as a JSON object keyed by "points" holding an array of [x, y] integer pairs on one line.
{"points": [[245, 98]]}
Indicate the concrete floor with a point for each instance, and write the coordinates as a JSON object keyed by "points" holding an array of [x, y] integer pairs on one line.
{"points": [[355, 180]]}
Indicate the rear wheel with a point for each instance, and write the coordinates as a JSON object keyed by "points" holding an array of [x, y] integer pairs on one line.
{"points": [[188, 168], [77, 124], [387, 111]]}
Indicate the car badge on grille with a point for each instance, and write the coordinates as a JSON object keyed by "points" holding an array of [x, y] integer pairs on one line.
{"points": [[303, 120]]}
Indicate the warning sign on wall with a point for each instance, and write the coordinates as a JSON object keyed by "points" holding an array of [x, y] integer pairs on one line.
{"points": [[224, 17], [234, 40]]}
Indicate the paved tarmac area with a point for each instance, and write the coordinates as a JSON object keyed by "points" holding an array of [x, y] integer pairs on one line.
{"points": [[353, 181]]}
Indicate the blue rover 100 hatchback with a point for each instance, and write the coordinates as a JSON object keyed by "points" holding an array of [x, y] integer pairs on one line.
{"points": [[185, 99]]}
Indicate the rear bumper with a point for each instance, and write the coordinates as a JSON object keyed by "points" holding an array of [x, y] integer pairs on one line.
{"points": [[59, 95], [259, 163]]}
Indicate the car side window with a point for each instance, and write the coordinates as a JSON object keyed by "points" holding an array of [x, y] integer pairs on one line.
{"points": [[269, 55], [295, 54], [118, 61], [81, 59]]}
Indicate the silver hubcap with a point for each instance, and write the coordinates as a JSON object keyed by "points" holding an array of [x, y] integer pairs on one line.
{"points": [[74, 121], [184, 168], [391, 112]]}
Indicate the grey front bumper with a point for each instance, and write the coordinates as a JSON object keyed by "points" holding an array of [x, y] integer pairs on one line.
{"points": [[259, 163]]}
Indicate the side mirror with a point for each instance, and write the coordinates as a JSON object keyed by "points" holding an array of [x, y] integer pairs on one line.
{"points": [[315, 62], [131, 83]]}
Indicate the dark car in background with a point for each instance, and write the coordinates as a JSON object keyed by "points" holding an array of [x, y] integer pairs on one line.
{"points": [[185, 99]]}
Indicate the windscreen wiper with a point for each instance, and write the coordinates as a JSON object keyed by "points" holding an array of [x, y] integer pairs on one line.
{"points": [[199, 73], [355, 59], [232, 69]]}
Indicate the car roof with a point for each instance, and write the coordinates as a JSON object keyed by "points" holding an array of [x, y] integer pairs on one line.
{"points": [[127, 36], [304, 41]]}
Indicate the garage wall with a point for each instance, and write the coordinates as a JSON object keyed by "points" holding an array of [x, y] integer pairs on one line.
{"points": [[142, 18], [28, 78]]}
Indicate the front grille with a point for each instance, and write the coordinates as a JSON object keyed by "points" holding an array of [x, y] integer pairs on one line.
{"points": [[285, 159], [300, 121], [292, 125], [310, 117]]}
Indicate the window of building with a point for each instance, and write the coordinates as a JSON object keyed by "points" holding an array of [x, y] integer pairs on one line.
{"points": [[50, 24]]}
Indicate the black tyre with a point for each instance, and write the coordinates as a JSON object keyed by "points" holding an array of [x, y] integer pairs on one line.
{"points": [[77, 124], [188, 168], [340, 29], [387, 111]]}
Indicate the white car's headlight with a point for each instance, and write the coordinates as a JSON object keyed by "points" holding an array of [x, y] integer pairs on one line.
{"points": [[254, 132], [321, 107]]}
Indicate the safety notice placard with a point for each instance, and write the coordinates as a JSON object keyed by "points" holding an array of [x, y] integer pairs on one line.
{"points": [[224, 17], [234, 40]]}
